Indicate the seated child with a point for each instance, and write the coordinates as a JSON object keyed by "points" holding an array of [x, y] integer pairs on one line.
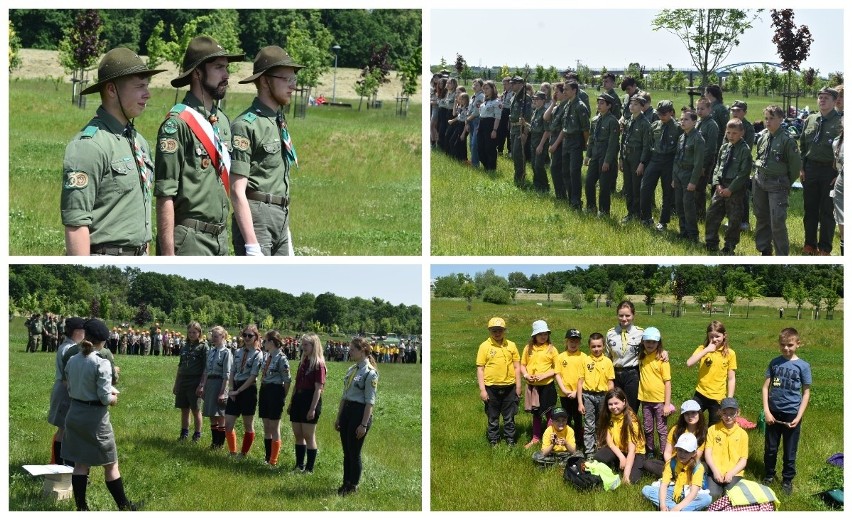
{"points": [[726, 451], [557, 444], [682, 480]]}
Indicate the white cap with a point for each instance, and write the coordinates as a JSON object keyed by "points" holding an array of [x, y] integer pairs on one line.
{"points": [[539, 326], [687, 442], [690, 406]]}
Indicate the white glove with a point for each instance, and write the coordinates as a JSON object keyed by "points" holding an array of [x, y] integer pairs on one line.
{"points": [[253, 250]]}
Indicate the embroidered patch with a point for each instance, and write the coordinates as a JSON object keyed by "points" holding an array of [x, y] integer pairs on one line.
{"points": [[375, 383], [168, 145], [170, 126], [241, 143], [76, 180], [205, 162]]}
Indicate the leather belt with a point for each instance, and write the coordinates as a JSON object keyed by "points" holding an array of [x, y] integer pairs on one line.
{"points": [[204, 227], [110, 250], [268, 198], [89, 403]]}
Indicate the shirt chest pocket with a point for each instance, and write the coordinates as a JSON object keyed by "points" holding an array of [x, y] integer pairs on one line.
{"points": [[272, 157], [124, 174], [202, 158]]}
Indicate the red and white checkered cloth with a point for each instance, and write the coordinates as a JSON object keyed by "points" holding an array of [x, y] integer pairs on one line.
{"points": [[724, 504]]}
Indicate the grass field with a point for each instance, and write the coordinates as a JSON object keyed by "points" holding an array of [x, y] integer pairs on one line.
{"points": [[505, 479], [357, 191], [185, 477], [475, 212]]}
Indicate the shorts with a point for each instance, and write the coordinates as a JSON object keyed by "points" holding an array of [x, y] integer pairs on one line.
{"points": [[244, 403], [272, 397], [300, 404], [185, 396]]}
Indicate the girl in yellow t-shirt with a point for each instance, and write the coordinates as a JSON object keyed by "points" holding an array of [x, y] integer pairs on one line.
{"points": [[621, 443], [691, 420], [538, 366], [683, 478], [717, 365], [655, 389]]}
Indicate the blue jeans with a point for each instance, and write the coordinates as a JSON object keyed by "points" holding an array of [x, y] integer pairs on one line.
{"points": [[652, 493], [474, 151]]}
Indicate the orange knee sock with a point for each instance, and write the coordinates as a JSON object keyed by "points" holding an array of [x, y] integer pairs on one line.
{"points": [[276, 448], [248, 439], [231, 437]]}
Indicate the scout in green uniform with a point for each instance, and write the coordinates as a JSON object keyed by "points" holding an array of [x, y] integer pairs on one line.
{"points": [[776, 166], [574, 135], [711, 132], [635, 154], [193, 157], [738, 111], [539, 136], [608, 88], [629, 86], [720, 112], [582, 94], [663, 145], [35, 328], [602, 156], [818, 173], [520, 112], [730, 179], [553, 117], [187, 388], [688, 165], [263, 155], [107, 170]]}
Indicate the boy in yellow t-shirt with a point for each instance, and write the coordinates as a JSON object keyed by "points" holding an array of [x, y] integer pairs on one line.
{"points": [[570, 367], [498, 372], [557, 443], [599, 378], [726, 450]]}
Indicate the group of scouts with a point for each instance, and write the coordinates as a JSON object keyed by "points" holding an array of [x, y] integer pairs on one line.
{"points": [[709, 146], [204, 164], [601, 404], [44, 331]]}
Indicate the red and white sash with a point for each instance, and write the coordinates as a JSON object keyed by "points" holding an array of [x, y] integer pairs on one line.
{"points": [[209, 138]]}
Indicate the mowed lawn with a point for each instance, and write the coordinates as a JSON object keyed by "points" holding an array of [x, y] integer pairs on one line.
{"points": [[170, 476], [469, 475], [357, 190], [475, 212]]}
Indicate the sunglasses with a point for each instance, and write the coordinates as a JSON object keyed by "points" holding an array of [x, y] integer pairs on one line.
{"points": [[247, 335]]}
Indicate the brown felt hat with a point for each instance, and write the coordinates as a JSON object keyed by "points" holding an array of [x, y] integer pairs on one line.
{"points": [[199, 50], [268, 58], [117, 63]]}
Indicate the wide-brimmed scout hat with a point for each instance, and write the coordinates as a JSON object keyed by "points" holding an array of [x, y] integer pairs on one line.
{"points": [[199, 50], [117, 63], [270, 57]]}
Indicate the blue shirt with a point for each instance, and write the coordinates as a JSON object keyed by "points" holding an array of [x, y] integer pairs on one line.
{"points": [[786, 379]]}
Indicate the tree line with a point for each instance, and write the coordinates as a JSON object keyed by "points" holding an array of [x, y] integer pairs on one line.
{"points": [[355, 30], [134, 296], [819, 285]]}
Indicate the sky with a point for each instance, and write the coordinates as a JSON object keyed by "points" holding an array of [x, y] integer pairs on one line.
{"points": [[393, 283], [551, 36]]}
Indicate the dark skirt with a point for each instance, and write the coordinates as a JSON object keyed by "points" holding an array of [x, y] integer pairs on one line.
{"points": [[300, 404], [59, 404], [89, 438], [272, 399], [212, 408]]}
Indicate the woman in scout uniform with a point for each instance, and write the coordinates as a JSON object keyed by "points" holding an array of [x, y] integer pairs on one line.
{"points": [[623, 345], [214, 385], [355, 413], [538, 367], [242, 399], [273, 394], [108, 168], [59, 400], [306, 403], [717, 376], [263, 154], [498, 373], [489, 121], [193, 157], [89, 437], [187, 387]]}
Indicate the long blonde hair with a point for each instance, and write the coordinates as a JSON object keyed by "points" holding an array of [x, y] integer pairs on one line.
{"points": [[315, 359]]}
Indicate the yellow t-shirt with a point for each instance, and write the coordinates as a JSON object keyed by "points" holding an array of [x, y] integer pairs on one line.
{"points": [[683, 480], [637, 437], [498, 361], [672, 440], [552, 437], [571, 368], [653, 374], [728, 446], [599, 372], [538, 360], [713, 373]]}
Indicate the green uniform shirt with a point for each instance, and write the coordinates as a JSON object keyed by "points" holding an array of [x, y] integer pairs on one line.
{"points": [[521, 106], [537, 125], [616, 109], [603, 138], [734, 166], [584, 97], [720, 114], [664, 140], [557, 115], [777, 155], [102, 187], [185, 171], [710, 132], [193, 358], [748, 137], [636, 140], [689, 158], [258, 152], [818, 135], [576, 117]]}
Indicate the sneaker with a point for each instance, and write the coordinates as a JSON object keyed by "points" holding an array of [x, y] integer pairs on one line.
{"points": [[511, 443], [533, 442], [787, 487], [133, 506], [809, 250], [298, 469], [493, 443], [768, 481], [183, 437], [196, 436], [661, 227]]}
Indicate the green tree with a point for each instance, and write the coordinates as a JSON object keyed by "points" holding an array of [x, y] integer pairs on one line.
{"points": [[751, 290], [573, 295], [504, 71], [707, 297], [408, 71], [590, 296], [489, 278], [615, 292], [368, 85], [496, 294], [14, 48], [709, 35], [831, 299], [157, 49], [448, 287], [815, 297], [309, 43], [652, 287], [732, 294], [468, 291]]}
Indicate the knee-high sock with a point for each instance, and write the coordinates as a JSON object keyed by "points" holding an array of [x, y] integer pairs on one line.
{"points": [[116, 489], [248, 439], [275, 450], [231, 437], [300, 455], [267, 446], [79, 483], [312, 457]]}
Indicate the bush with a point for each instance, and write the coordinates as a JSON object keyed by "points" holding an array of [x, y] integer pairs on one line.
{"points": [[495, 294]]}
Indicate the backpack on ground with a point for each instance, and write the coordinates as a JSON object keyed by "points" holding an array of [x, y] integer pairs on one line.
{"points": [[577, 475]]}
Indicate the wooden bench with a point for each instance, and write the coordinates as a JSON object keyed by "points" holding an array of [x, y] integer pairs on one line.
{"points": [[57, 479], [341, 105]]}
